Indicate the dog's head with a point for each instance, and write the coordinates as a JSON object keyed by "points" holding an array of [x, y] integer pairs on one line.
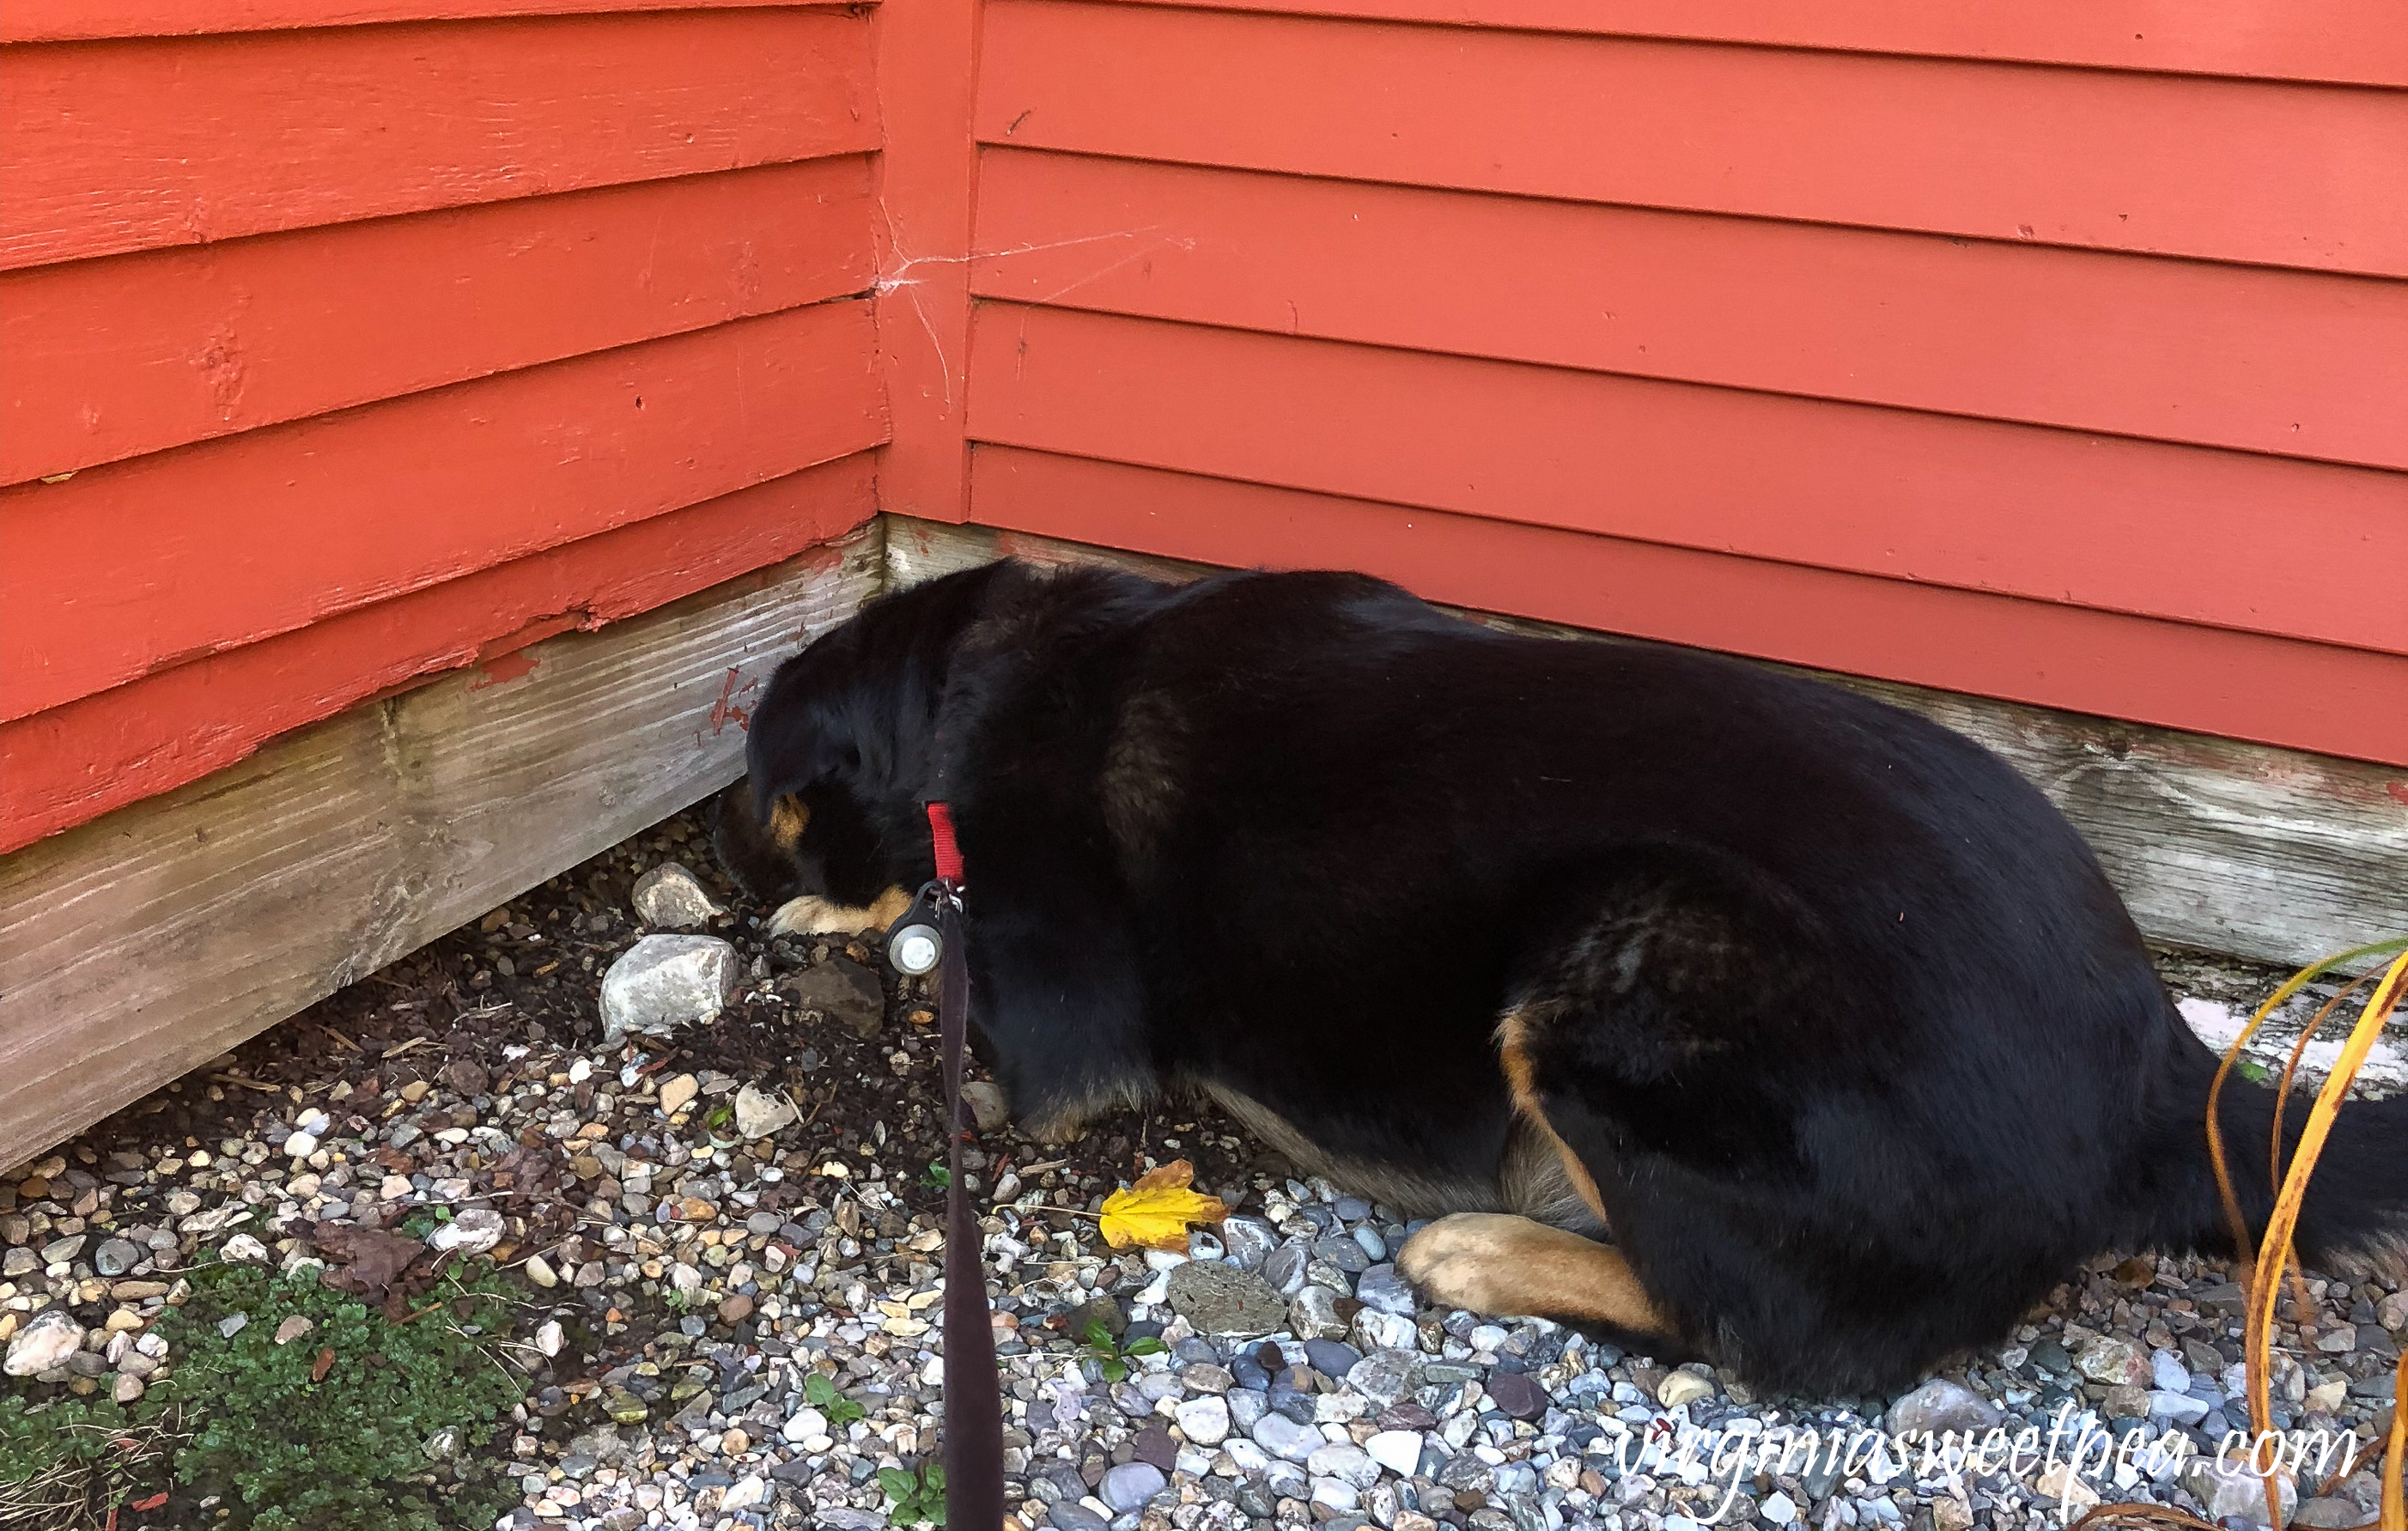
{"points": [[841, 750]]}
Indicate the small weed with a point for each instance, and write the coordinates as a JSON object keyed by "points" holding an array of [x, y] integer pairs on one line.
{"points": [[936, 1177], [820, 1391], [1111, 1356], [330, 1429], [58, 1461], [919, 1500]]}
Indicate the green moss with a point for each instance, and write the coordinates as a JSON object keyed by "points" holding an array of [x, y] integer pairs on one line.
{"points": [[326, 1431]]}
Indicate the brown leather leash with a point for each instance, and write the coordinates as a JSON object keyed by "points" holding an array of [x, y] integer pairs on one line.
{"points": [[929, 934]]}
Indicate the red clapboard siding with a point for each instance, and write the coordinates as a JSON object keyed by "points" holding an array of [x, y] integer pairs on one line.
{"points": [[2344, 42], [118, 146], [2277, 691], [80, 760], [64, 21], [2236, 541], [111, 574], [2297, 363], [115, 357], [2305, 175]]}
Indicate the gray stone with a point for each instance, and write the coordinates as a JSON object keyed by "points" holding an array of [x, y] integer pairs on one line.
{"points": [[48, 1342], [1941, 1405], [1247, 1406], [759, 1114], [1349, 1464], [1129, 1485], [843, 992], [1064, 1515], [1284, 1268], [1314, 1315], [663, 982], [1381, 1287], [985, 1100], [1219, 1298], [669, 897], [1287, 1439], [1386, 1377], [2232, 1490], [1249, 1241], [1517, 1395], [116, 1256]]}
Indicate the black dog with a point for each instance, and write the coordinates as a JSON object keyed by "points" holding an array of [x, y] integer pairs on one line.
{"points": [[1818, 1007]]}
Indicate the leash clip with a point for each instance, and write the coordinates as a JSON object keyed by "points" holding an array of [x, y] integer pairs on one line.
{"points": [[915, 942]]}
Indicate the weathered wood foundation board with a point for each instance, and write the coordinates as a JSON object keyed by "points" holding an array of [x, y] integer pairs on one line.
{"points": [[2245, 849], [137, 946]]}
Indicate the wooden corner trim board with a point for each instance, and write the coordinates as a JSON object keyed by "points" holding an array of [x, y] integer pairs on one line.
{"points": [[139, 945], [2225, 846]]}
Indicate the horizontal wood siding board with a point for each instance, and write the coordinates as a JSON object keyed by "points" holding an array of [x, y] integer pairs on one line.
{"points": [[110, 575], [74, 21], [112, 358], [2299, 363], [2249, 542], [2214, 843], [120, 146], [2277, 691], [138, 946], [76, 762], [2351, 42], [2271, 174]]}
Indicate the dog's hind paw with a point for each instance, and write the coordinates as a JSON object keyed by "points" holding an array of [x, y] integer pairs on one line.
{"points": [[1496, 1263]]}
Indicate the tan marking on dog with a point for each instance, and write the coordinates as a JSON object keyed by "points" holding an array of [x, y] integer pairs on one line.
{"points": [[811, 915], [1511, 1266], [788, 818], [1068, 1123], [1513, 1043]]}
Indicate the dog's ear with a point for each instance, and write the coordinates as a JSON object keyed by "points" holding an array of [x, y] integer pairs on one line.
{"points": [[796, 743]]}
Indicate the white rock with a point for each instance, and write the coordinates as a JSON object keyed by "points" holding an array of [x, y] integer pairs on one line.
{"points": [[2230, 1489], [1399, 1451], [243, 1247], [669, 897], [1943, 1406], [549, 1338], [1682, 1387], [663, 982], [46, 1342], [300, 1145], [540, 1271], [807, 1423], [759, 1115], [472, 1231], [293, 1327], [1778, 1508], [750, 1489], [1203, 1421]]}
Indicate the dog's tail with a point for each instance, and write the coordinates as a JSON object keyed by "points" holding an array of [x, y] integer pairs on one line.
{"points": [[2358, 1197]]}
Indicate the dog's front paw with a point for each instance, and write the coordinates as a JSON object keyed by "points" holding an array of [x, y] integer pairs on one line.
{"points": [[811, 915], [1458, 1261]]}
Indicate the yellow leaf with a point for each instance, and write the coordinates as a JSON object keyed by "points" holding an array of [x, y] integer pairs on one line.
{"points": [[1155, 1211]]}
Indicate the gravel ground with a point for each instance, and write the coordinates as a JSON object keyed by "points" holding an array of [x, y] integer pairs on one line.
{"points": [[707, 1286]]}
